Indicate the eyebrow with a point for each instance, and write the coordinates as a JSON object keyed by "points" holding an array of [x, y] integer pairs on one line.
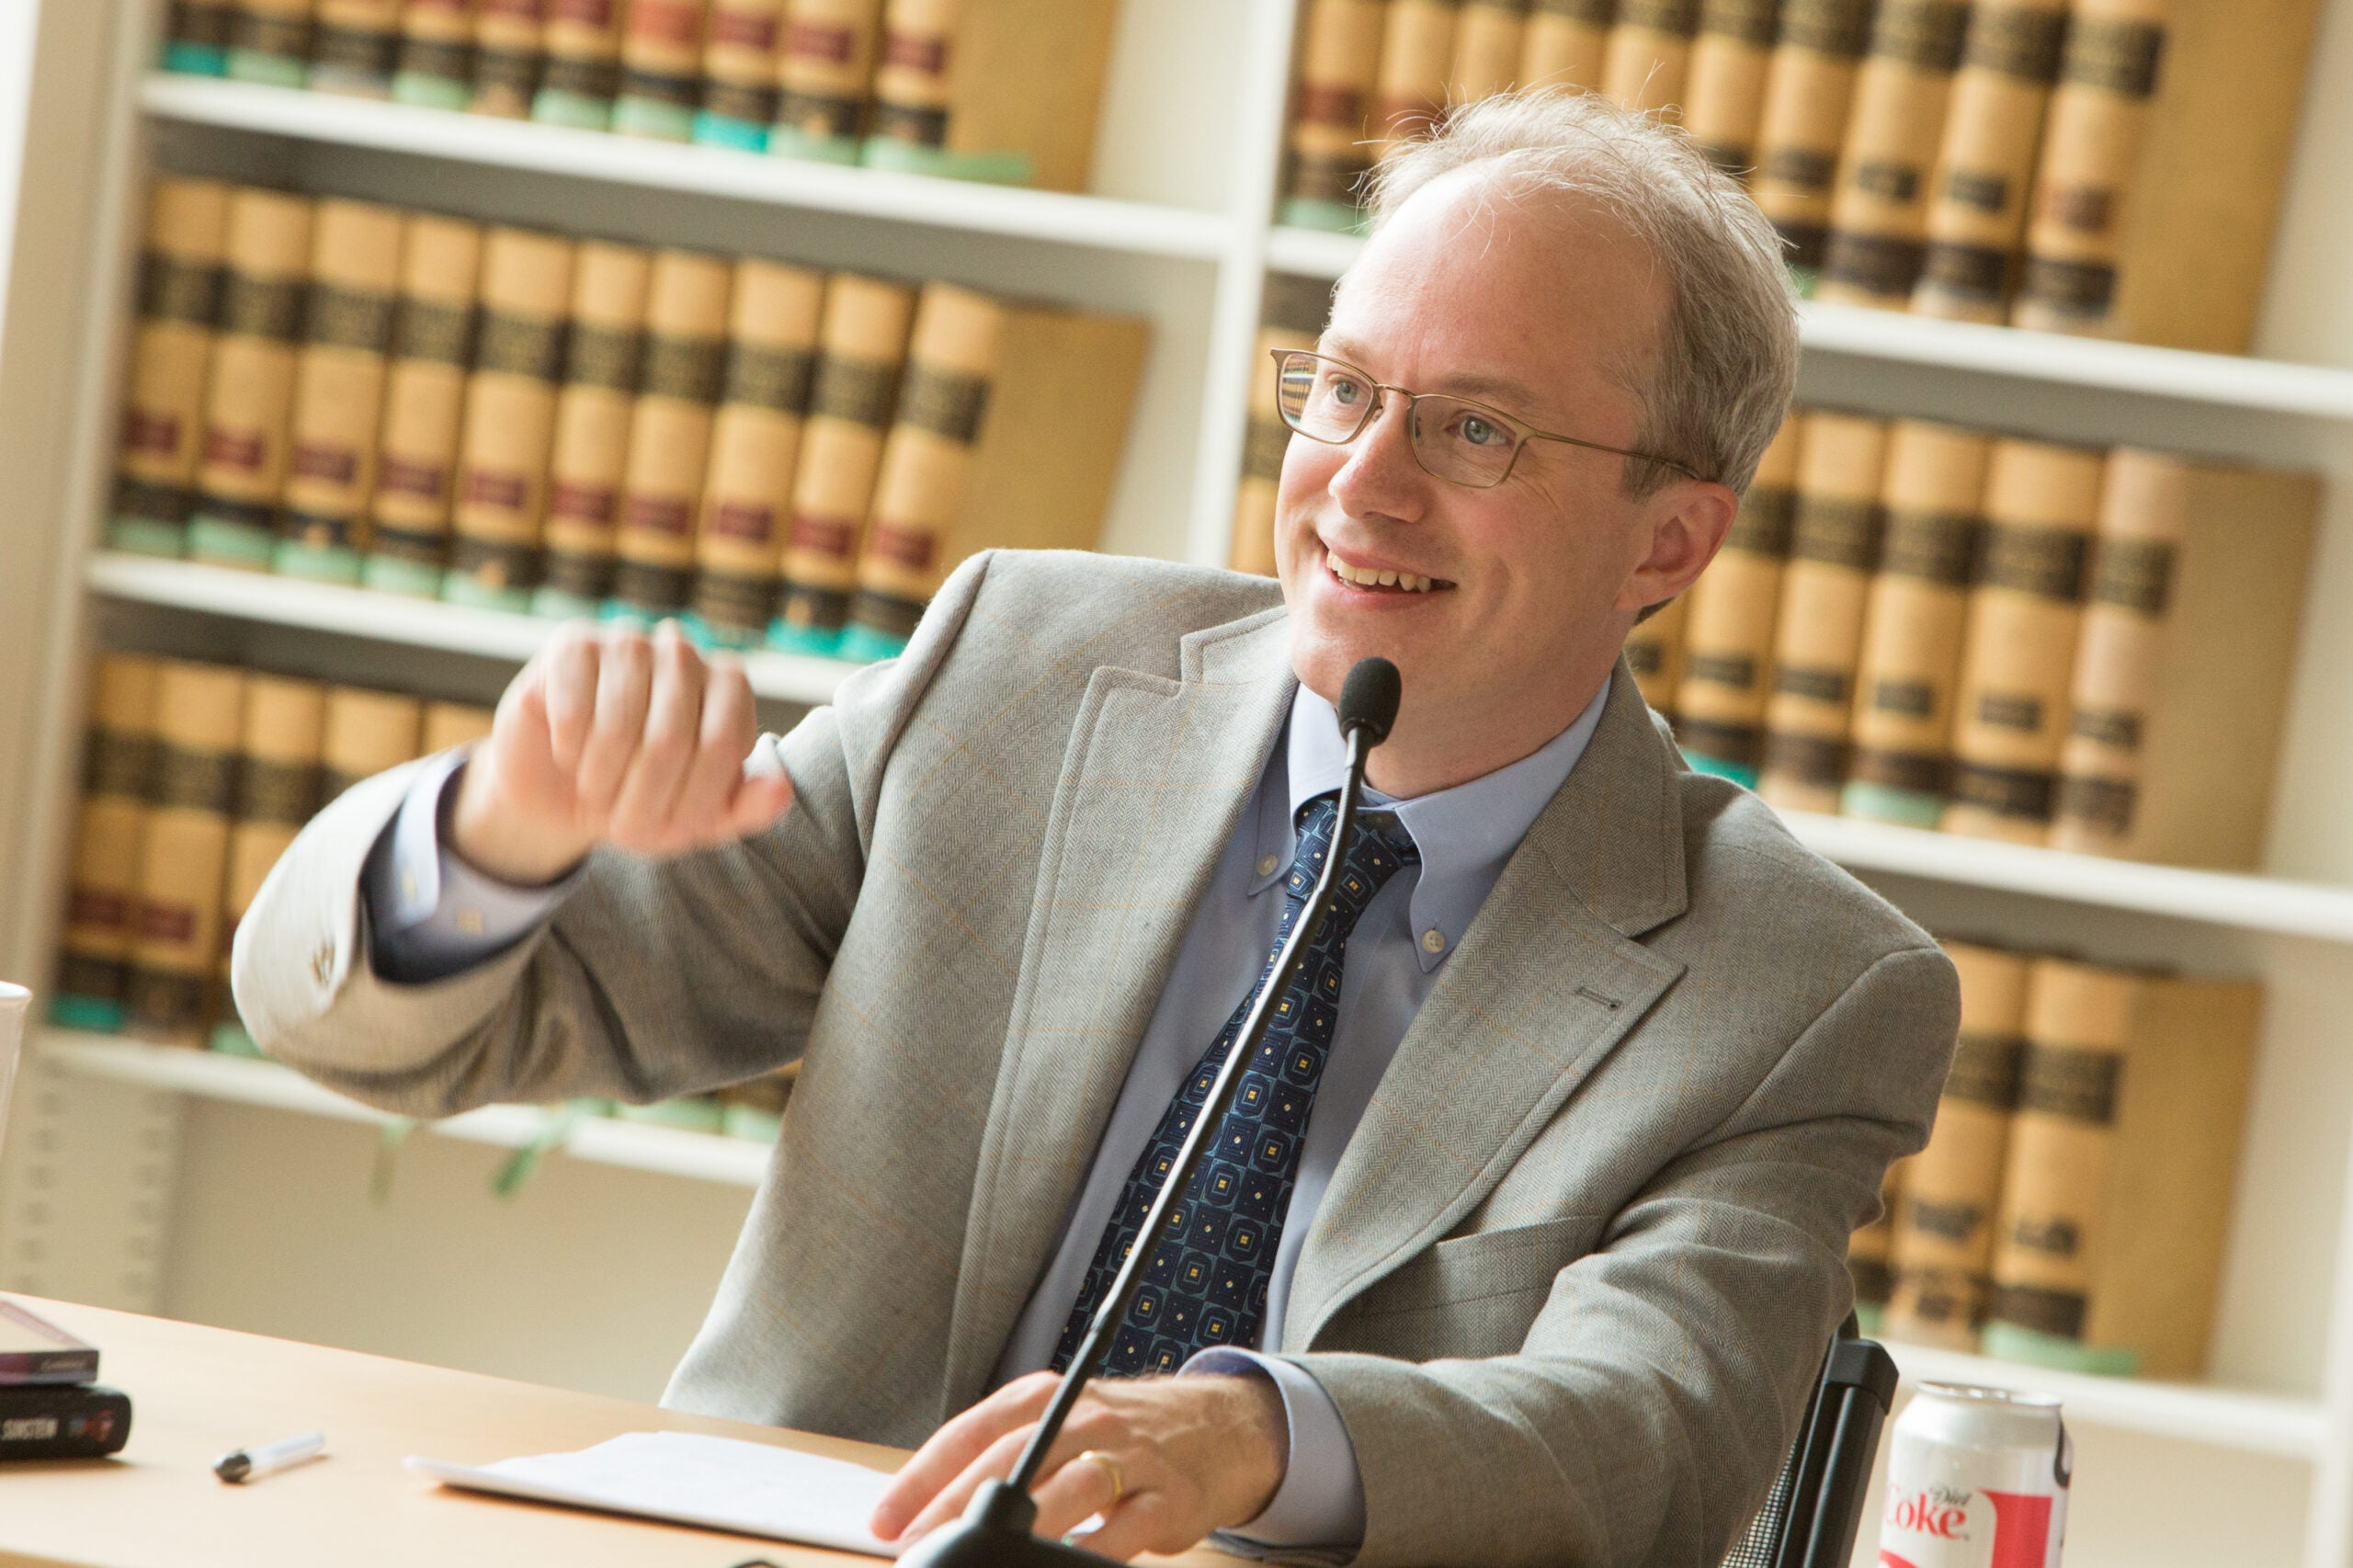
{"points": [[1465, 384]]}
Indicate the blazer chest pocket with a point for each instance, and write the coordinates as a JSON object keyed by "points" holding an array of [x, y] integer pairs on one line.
{"points": [[1472, 1295]]}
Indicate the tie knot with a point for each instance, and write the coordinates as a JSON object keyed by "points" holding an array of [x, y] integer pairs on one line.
{"points": [[1379, 846]]}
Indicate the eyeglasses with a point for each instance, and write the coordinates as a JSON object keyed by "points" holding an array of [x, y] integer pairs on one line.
{"points": [[1453, 438]]}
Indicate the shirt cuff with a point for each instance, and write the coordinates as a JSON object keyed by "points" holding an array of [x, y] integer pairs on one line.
{"points": [[1320, 1503], [430, 915]]}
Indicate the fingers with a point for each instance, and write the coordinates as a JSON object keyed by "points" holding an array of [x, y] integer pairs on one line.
{"points": [[952, 1448], [643, 811], [1083, 1488], [705, 813], [565, 688], [1144, 1522], [994, 1463], [624, 687]]}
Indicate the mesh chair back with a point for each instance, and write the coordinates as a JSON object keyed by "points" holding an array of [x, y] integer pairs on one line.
{"points": [[1810, 1516]]}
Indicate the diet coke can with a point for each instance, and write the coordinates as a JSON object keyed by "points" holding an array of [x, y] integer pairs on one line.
{"points": [[1976, 1478]]}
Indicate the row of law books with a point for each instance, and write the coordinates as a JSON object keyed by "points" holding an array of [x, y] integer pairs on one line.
{"points": [[2111, 168], [2047, 645], [522, 421], [2073, 1203], [991, 92], [195, 779]]}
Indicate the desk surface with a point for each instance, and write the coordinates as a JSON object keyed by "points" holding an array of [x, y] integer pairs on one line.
{"points": [[196, 1392]]}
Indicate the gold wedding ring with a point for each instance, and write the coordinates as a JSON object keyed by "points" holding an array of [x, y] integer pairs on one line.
{"points": [[1110, 1467]]}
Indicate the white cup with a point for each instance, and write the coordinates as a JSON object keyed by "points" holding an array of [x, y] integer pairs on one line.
{"points": [[14, 1003]]}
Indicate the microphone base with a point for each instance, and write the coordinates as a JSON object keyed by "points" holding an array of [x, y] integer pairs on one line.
{"points": [[995, 1533]]}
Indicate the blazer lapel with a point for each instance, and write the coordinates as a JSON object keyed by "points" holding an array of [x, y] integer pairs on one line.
{"points": [[1545, 984], [1156, 775]]}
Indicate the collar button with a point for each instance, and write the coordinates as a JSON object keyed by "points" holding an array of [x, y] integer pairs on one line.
{"points": [[1433, 940], [1266, 866]]}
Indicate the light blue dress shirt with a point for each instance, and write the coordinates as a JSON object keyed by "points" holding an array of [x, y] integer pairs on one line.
{"points": [[432, 915]]}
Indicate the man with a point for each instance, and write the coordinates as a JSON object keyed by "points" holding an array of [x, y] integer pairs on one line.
{"points": [[1535, 1218]]}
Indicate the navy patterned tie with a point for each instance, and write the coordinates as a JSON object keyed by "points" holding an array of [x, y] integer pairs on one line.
{"points": [[1206, 1283]]}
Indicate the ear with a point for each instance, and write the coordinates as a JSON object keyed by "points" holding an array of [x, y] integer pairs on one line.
{"points": [[1688, 522]]}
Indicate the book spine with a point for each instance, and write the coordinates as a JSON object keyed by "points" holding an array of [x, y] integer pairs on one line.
{"points": [[1331, 112], [739, 74], [270, 41], [277, 788], [1977, 208], [425, 391], [2024, 609], [589, 457], [339, 391], [1728, 645], [118, 777], [196, 37], [1834, 547], [661, 82], [448, 724], [251, 382], [1912, 623], [1293, 313], [2074, 235], [1871, 1252], [1568, 44], [352, 47], [1807, 94], [862, 344], [163, 416], [1731, 51], [915, 74], [2144, 502], [755, 445], [366, 733], [1488, 36], [1417, 52], [62, 1421], [825, 76], [434, 67], [681, 377], [1878, 210], [509, 420], [1655, 653], [507, 56], [580, 44], [176, 923], [1944, 1226], [1650, 53]]}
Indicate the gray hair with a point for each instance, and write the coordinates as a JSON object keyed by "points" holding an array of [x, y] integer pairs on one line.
{"points": [[1719, 383]]}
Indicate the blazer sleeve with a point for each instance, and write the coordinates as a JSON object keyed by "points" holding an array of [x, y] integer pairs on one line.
{"points": [[1660, 1386], [654, 979]]}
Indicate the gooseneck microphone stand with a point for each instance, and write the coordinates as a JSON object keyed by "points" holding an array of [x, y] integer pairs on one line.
{"points": [[996, 1530]]}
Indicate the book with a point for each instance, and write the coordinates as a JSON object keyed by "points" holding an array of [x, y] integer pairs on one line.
{"points": [[661, 82], [196, 37], [1912, 623], [861, 345], [1834, 550], [2120, 1169], [1339, 64], [434, 67], [1943, 1242], [337, 410], [1803, 129], [1870, 1253], [1879, 205], [62, 1421], [825, 76], [1294, 312], [425, 392], [507, 56], [912, 100], [588, 456], [1003, 93], [1650, 53], [1655, 653], [175, 917], [1732, 52], [1728, 643], [1568, 44], [2025, 607], [366, 733], [353, 45], [739, 74], [117, 777], [755, 445], [277, 788], [580, 48], [250, 379], [162, 435], [35, 1351], [1409, 98], [679, 382], [270, 41], [1487, 39], [501, 496], [448, 724], [1985, 164]]}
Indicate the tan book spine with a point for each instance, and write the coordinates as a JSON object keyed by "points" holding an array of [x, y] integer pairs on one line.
{"points": [[270, 41], [2075, 232], [424, 394], [1568, 44], [250, 387], [162, 410], [175, 924], [1655, 653], [826, 70], [661, 82], [2024, 609], [589, 453], [1912, 623], [506, 56], [684, 372], [740, 49], [352, 47], [1728, 644], [1833, 548], [755, 445], [2119, 653], [339, 390], [1294, 312], [862, 344], [581, 44], [434, 66], [1731, 54], [1943, 1246], [1417, 53], [914, 77], [1804, 127], [450, 724], [1488, 36], [1331, 111], [118, 778], [1871, 1251], [1650, 53], [1993, 129], [366, 733], [277, 788], [1878, 210], [509, 420]]}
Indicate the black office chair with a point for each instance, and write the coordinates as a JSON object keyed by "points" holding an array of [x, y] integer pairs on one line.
{"points": [[1810, 1517]]}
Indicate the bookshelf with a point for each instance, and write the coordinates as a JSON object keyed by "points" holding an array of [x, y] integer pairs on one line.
{"points": [[1175, 227]]}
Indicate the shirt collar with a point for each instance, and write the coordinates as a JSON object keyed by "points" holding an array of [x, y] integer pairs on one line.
{"points": [[1465, 834]]}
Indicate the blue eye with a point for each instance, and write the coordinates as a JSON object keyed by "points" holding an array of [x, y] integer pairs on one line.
{"points": [[1345, 390], [1478, 432]]}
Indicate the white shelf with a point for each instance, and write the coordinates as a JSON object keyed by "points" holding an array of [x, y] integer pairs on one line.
{"points": [[2272, 1424], [2212, 898], [671, 1151], [396, 618], [1094, 221]]}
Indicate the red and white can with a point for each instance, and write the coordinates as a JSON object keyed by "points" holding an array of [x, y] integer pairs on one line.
{"points": [[1976, 1478]]}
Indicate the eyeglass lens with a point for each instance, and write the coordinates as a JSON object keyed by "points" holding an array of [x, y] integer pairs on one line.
{"points": [[1451, 438]]}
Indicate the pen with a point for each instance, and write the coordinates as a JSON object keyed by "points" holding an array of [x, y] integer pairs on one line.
{"points": [[267, 1459]]}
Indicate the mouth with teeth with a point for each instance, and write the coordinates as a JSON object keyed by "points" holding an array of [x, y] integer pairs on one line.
{"points": [[1367, 579]]}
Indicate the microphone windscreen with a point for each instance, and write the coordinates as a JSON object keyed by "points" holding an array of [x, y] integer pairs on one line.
{"points": [[1369, 699]]}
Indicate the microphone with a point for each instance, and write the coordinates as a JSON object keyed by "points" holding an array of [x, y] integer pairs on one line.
{"points": [[994, 1530]]}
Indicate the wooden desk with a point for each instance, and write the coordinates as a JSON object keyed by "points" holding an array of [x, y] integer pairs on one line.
{"points": [[196, 1392]]}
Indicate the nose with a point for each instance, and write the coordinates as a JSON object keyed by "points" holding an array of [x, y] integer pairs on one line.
{"points": [[1381, 474]]}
